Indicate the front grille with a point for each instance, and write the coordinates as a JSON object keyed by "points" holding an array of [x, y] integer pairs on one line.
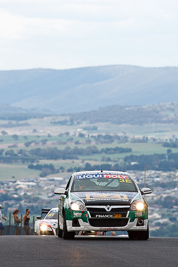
{"points": [[108, 222], [120, 210], [95, 210], [102, 211]]}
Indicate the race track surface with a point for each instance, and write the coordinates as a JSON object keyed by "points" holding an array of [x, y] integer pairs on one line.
{"points": [[51, 251]]}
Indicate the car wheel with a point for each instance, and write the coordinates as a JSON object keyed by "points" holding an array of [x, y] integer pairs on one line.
{"points": [[65, 233], [139, 235], [132, 235], [59, 231], [144, 235]]}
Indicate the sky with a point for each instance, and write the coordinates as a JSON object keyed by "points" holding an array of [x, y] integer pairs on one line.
{"points": [[64, 34]]}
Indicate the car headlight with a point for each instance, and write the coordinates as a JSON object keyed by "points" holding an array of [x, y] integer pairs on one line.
{"points": [[77, 205], [139, 205], [45, 227]]}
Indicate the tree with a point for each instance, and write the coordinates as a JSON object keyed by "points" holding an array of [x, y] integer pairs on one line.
{"points": [[44, 141], [4, 133], [1, 151], [81, 135], [15, 136]]}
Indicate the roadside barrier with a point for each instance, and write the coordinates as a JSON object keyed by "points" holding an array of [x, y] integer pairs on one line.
{"points": [[10, 230], [9, 227]]}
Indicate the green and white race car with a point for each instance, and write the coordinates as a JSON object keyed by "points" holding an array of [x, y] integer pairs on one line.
{"points": [[102, 201]]}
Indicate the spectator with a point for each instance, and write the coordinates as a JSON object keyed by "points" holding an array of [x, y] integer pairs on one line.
{"points": [[26, 219], [16, 222], [1, 217]]}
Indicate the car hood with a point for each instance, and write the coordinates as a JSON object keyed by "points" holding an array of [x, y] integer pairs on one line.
{"points": [[106, 197]]}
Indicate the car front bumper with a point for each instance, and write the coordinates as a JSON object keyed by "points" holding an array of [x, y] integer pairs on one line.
{"points": [[86, 226]]}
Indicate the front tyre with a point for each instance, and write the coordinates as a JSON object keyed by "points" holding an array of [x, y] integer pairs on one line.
{"points": [[139, 235], [59, 231], [65, 233]]}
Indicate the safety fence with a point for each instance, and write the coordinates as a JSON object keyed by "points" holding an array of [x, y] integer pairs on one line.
{"points": [[10, 228]]}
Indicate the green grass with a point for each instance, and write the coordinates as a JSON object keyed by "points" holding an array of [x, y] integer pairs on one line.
{"points": [[150, 130], [8, 139], [8, 171], [137, 149], [44, 127], [146, 148]]}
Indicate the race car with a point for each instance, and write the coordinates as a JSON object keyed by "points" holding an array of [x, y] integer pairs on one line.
{"points": [[102, 201], [48, 225]]}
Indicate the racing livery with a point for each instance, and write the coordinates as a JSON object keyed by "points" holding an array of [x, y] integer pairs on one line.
{"points": [[102, 201], [48, 225]]}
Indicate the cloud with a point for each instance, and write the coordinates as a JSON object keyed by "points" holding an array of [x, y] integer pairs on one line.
{"points": [[87, 32], [103, 10], [65, 18], [10, 25]]}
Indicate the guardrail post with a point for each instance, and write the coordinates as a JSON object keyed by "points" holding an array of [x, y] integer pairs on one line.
{"points": [[21, 223], [9, 223], [33, 224]]}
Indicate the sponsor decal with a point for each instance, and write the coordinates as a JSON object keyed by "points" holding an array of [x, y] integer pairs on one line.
{"points": [[104, 216], [77, 214], [108, 216], [108, 229], [106, 196], [125, 181], [115, 176], [117, 215], [83, 176], [104, 199], [138, 214]]}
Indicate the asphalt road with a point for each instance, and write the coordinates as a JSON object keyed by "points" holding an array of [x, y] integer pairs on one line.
{"points": [[51, 251]]}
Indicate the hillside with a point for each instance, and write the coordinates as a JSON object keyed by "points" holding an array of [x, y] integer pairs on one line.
{"points": [[8, 112], [86, 89], [160, 113]]}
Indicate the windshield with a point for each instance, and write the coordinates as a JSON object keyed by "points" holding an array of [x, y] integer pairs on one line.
{"points": [[52, 214], [103, 184]]}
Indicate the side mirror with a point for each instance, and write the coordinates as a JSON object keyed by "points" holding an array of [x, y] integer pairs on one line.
{"points": [[38, 217], [146, 191], [59, 191]]}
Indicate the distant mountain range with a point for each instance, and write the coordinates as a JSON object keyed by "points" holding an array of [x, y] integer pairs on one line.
{"points": [[86, 89]]}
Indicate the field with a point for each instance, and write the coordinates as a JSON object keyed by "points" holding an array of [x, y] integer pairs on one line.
{"points": [[16, 172], [41, 133]]}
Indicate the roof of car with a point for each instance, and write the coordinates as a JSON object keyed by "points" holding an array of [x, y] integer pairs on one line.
{"points": [[107, 172], [55, 208]]}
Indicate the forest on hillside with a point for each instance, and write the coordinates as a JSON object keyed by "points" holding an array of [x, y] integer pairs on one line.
{"points": [[163, 113]]}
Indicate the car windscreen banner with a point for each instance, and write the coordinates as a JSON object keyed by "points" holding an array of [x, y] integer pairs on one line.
{"points": [[103, 175]]}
